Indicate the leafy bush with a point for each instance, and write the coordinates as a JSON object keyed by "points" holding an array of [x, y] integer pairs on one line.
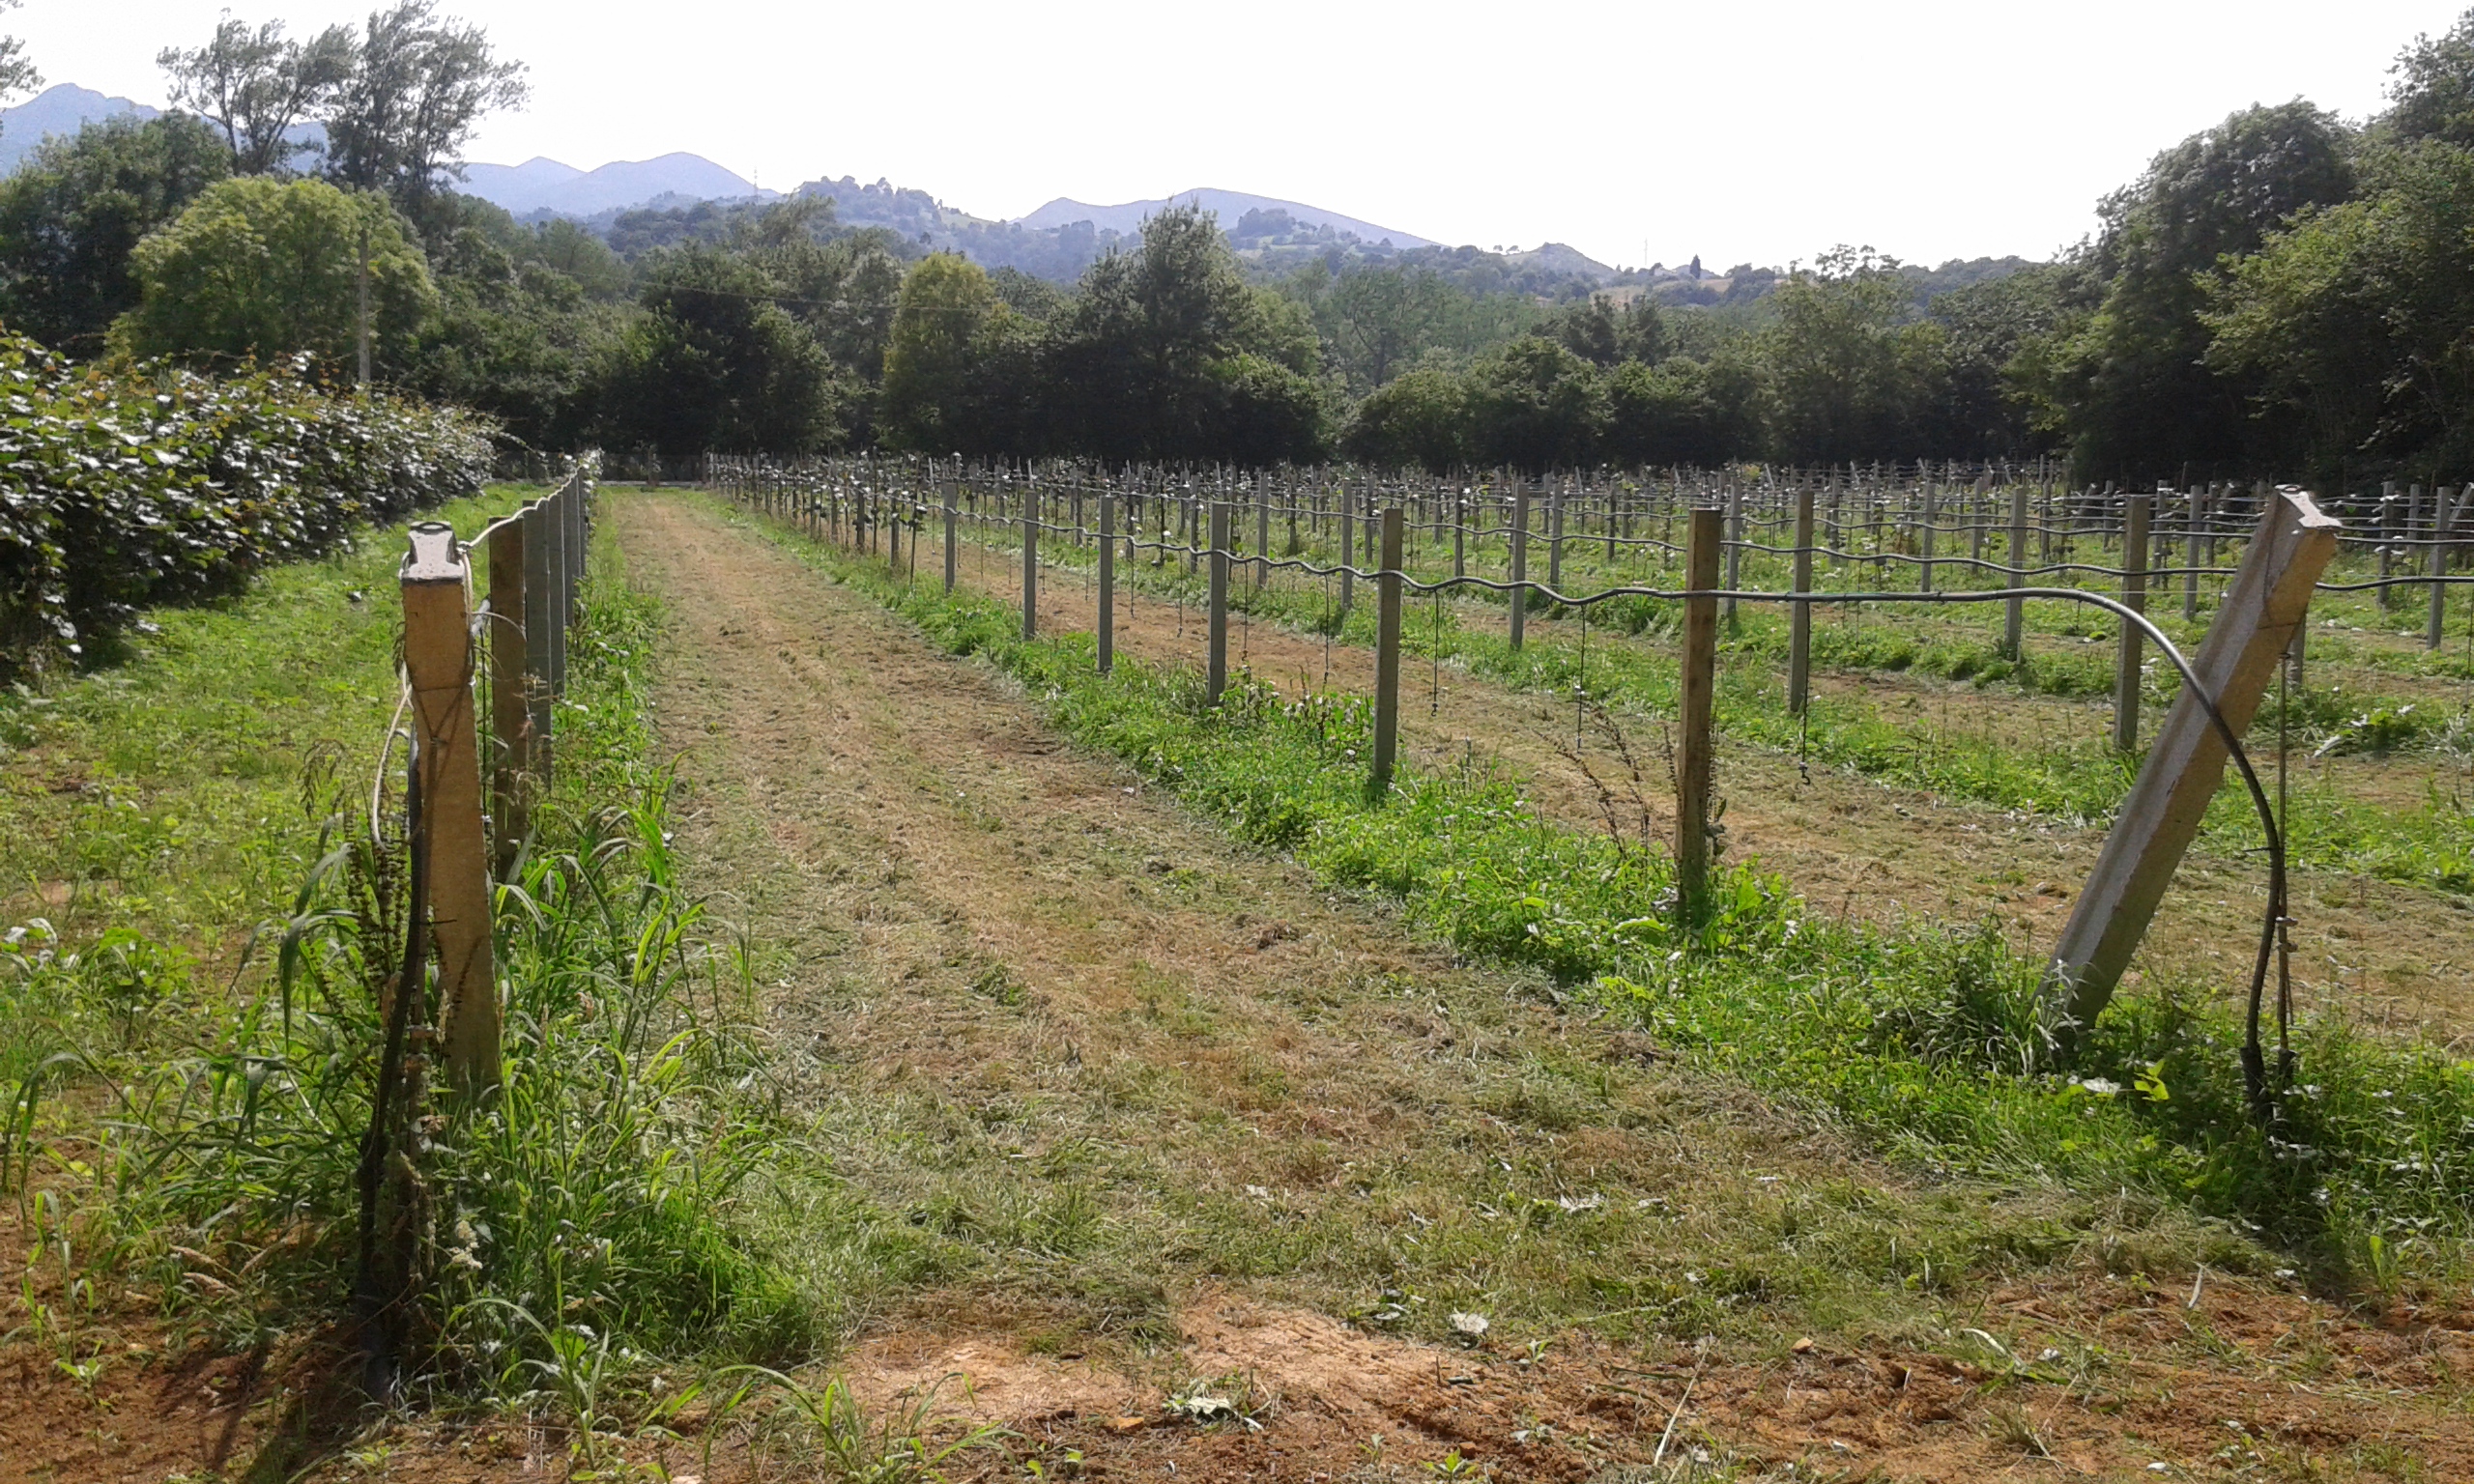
{"points": [[151, 484]]}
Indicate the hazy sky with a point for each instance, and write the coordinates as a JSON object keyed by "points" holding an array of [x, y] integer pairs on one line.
{"points": [[1763, 133]]}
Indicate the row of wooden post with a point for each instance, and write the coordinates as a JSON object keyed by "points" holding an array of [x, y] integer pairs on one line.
{"points": [[519, 631], [1705, 538], [2257, 625]]}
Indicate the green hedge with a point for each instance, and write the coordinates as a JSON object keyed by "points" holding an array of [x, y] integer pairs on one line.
{"points": [[131, 486]]}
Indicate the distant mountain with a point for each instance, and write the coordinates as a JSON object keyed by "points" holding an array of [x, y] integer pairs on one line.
{"points": [[542, 185], [64, 109], [1230, 206]]}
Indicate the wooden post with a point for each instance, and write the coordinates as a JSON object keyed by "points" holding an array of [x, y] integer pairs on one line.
{"points": [[1693, 762], [2014, 618], [2266, 604], [1387, 651], [438, 664], [541, 618], [1031, 572], [554, 518], [2126, 659], [1519, 563], [1216, 665], [1799, 616], [1107, 581], [511, 713]]}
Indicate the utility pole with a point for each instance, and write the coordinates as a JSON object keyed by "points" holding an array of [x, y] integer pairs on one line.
{"points": [[363, 316]]}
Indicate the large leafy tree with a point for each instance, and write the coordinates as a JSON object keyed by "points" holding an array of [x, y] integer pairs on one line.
{"points": [[1168, 352], [1852, 369], [419, 85], [524, 317], [946, 330], [1980, 411], [714, 362], [256, 85], [262, 268], [1418, 418], [1605, 334], [2433, 94], [71, 218], [2132, 387], [1534, 405], [2356, 324], [18, 72], [1681, 410]]}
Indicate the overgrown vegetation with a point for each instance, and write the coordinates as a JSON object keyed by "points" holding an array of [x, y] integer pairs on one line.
{"points": [[197, 1137], [147, 484]]}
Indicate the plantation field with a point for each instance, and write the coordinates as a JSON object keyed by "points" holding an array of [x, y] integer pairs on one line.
{"points": [[1910, 791], [1117, 1065]]}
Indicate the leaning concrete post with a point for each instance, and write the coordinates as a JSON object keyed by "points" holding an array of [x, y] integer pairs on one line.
{"points": [[1692, 761], [438, 664], [2263, 609], [1216, 667], [1386, 649]]}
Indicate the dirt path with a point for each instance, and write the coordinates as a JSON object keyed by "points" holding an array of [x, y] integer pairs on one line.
{"points": [[2389, 955], [1135, 1110]]}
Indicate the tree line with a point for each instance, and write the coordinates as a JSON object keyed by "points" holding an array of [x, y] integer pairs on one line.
{"points": [[2285, 295]]}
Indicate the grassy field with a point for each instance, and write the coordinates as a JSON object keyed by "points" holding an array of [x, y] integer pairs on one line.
{"points": [[893, 1000]]}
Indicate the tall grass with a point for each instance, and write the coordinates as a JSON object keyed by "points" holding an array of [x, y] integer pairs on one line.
{"points": [[570, 1232]]}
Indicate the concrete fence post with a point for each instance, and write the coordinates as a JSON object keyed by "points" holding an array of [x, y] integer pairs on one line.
{"points": [[438, 667], [1519, 594], [1107, 581], [1799, 616], [1692, 758], [2263, 609], [2128, 657], [1387, 648], [1216, 665]]}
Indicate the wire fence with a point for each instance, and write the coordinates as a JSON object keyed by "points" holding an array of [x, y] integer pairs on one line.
{"points": [[890, 509]]}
